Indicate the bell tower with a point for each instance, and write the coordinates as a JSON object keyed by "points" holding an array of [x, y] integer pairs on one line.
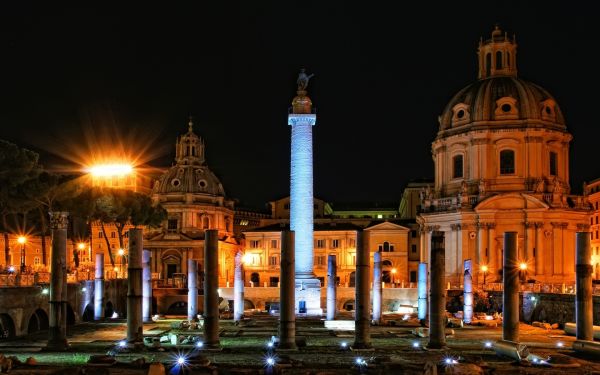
{"points": [[497, 55]]}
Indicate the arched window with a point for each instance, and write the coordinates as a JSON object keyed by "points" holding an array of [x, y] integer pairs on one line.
{"points": [[553, 163], [507, 162], [457, 166], [205, 222], [499, 60], [488, 64], [255, 278]]}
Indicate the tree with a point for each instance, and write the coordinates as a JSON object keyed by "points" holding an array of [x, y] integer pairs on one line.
{"points": [[17, 165]]}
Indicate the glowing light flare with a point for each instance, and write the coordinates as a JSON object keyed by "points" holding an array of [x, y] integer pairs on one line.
{"points": [[122, 343], [344, 344], [11, 269], [113, 169], [121, 252], [487, 344], [45, 291], [416, 345], [522, 266], [199, 344], [484, 268], [181, 360], [81, 246], [22, 240], [247, 259], [394, 270]]}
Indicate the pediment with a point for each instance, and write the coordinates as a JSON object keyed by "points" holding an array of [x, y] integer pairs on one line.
{"points": [[386, 225], [512, 201]]}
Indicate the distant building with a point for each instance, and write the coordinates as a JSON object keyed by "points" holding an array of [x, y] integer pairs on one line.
{"points": [[410, 203], [592, 190]]}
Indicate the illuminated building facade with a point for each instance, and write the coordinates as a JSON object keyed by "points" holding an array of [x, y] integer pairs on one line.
{"points": [[592, 190], [501, 160]]}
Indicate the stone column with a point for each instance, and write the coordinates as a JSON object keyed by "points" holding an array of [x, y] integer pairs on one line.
{"points": [[422, 291], [510, 299], [287, 299], [583, 301], [437, 293], [99, 287], [468, 292], [238, 287], [362, 334], [192, 282], [57, 333], [331, 287], [211, 286], [428, 231], [376, 287], [135, 334], [539, 252], [146, 286]]}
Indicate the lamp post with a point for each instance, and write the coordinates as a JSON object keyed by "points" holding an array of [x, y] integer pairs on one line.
{"points": [[484, 269], [394, 276], [523, 271], [22, 240]]}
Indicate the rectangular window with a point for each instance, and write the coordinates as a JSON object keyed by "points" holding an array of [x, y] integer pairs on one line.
{"points": [[413, 233], [335, 244], [172, 225], [413, 276], [36, 260], [352, 243], [457, 171], [286, 206], [254, 244], [353, 260], [596, 219], [273, 261], [320, 260], [100, 234], [273, 244], [553, 163], [507, 162], [113, 235], [413, 248]]}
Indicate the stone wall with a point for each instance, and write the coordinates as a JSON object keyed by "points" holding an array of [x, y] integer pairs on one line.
{"points": [[553, 308]]}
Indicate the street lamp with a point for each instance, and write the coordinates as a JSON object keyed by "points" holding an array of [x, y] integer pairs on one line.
{"points": [[523, 271], [484, 269], [122, 255], [394, 276], [22, 240]]}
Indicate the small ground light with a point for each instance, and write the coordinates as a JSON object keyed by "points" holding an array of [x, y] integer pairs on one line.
{"points": [[450, 361], [199, 344], [181, 360], [115, 315], [11, 269], [122, 343], [415, 344], [270, 361], [45, 291], [84, 289], [344, 344], [487, 344], [360, 362], [560, 344]]}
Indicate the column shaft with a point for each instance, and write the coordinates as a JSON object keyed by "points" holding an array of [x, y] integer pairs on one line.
{"points": [[468, 292], [57, 330], [362, 334], [135, 334], [376, 287], [287, 298], [510, 310], [437, 293], [331, 287], [146, 286], [211, 286], [422, 291], [99, 287], [583, 301], [238, 287], [192, 282]]}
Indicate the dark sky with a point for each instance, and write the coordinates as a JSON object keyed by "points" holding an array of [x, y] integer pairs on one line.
{"points": [[383, 73]]}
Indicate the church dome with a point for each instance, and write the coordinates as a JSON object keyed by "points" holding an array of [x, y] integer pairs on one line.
{"points": [[499, 98], [190, 174]]}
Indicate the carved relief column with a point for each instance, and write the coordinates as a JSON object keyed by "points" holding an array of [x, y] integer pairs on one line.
{"points": [[539, 252]]}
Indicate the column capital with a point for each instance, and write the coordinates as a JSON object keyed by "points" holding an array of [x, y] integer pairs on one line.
{"points": [[559, 224], [583, 227], [59, 219], [455, 226]]}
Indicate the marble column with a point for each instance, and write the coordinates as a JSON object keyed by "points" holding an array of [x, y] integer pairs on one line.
{"points": [[362, 333], [192, 282], [468, 292], [437, 293], [146, 286], [287, 300], [584, 306], [331, 287], [135, 334], [238, 287], [211, 286], [57, 331], [510, 298], [422, 291], [376, 287], [99, 287]]}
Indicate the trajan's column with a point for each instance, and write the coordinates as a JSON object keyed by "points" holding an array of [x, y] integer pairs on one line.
{"points": [[302, 119]]}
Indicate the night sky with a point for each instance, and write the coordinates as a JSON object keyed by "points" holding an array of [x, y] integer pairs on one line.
{"points": [[79, 77]]}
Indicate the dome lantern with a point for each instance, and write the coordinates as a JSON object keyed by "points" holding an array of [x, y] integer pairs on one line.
{"points": [[497, 56], [189, 149]]}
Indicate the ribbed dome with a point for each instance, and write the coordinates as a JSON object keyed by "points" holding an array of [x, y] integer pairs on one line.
{"points": [[189, 179], [501, 98]]}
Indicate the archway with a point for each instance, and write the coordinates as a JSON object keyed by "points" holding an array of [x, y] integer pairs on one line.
{"points": [[42, 319], [70, 315], [7, 327], [248, 305], [88, 313], [255, 278], [108, 310], [178, 308], [386, 271], [34, 325], [348, 305]]}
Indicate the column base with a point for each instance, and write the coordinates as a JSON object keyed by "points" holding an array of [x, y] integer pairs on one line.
{"points": [[308, 297]]}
